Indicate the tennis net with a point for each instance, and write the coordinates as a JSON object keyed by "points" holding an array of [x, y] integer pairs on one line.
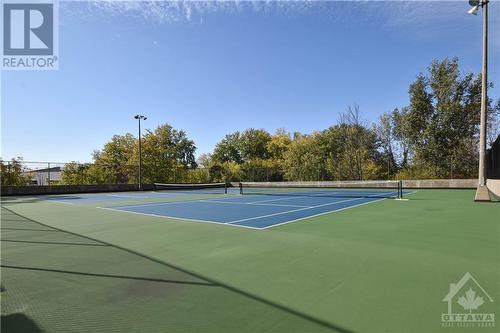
{"points": [[211, 188], [367, 189]]}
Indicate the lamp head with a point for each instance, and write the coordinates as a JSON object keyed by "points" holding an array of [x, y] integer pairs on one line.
{"points": [[474, 10], [136, 116], [145, 118]]}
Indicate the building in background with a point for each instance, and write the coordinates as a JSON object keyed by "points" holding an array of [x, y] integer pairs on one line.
{"points": [[46, 176], [493, 160]]}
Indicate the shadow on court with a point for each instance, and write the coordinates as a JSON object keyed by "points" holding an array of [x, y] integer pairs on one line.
{"points": [[7, 200], [68, 282], [18, 322]]}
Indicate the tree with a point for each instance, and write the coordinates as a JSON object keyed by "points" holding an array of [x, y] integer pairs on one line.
{"points": [[357, 150], [443, 118], [113, 163], [229, 149], [167, 155], [303, 159], [13, 173], [204, 160], [253, 144], [400, 124], [278, 144], [74, 173], [385, 135], [391, 135], [249, 150]]}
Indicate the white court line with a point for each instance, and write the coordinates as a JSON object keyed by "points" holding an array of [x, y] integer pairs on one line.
{"points": [[306, 208], [127, 196], [251, 203], [277, 205], [249, 227], [215, 200], [332, 211], [61, 202], [156, 203], [294, 210], [324, 213], [179, 201], [178, 218], [287, 198]]}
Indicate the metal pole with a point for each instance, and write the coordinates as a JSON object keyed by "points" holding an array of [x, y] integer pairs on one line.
{"points": [[388, 167], [140, 157], [482, 193]]}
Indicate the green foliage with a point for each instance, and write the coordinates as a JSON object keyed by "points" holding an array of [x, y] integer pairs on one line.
{"points": [[303, 159], [417, 171], [435, 136], [229, 149], [278, 144], [393, 143], [259, 170], [113, 164], [197, 176], [253, 144], [225, 172], [74, 173], [167, 155], [243, 147], [442, 120], [13, 173], [351, 149]]}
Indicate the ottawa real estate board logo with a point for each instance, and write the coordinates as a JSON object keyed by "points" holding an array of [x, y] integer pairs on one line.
{"points": [[30, 35], [469, 305]]}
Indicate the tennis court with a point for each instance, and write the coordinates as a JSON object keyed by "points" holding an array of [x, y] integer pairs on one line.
{"points": [[70, 265], [260, 208], [259, 212]]}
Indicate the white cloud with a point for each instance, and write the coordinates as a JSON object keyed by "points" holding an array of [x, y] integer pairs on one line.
{"points": [[390, 13]]}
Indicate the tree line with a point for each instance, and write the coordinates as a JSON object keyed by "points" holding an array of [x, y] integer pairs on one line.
{"points": [[435, 136]]}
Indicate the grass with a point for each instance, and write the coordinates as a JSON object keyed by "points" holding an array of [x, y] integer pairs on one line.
{"points": [[382, 267]]}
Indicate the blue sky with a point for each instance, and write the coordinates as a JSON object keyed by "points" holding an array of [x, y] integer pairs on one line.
{"points": [[212, 68]]}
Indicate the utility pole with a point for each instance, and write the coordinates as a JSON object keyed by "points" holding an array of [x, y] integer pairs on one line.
{"points": [[482, 193]]}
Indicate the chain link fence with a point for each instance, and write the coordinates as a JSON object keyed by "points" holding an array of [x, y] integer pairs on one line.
{"points": [[18, 172]]}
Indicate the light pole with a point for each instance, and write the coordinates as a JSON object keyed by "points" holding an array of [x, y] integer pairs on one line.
{"points": [[482, 193], [139, 117]]}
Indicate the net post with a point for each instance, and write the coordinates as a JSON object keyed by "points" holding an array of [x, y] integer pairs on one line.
{"points": [[225, 188], [241, 188], [400, 189]]}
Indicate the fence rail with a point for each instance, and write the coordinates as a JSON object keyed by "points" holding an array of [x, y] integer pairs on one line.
{"points": [[35, 173]]}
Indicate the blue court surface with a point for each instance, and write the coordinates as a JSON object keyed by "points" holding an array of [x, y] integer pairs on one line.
{"points": [[249, 211]]}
